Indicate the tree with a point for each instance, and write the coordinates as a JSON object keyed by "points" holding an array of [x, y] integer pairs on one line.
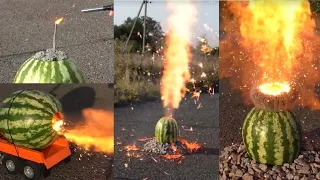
{"points": [[153, 31], [315, 7]]}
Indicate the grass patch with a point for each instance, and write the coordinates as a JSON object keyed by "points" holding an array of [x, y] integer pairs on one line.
{"points": [[137, 77]]}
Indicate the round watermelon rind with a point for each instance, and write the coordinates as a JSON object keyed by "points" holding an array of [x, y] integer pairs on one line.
{"points": [[166, 131], [49, 67], [29, 122], [272, 138]]}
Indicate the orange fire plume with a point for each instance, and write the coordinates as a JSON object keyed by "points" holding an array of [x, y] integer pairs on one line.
{"points": [[97, 132], [271, 41], [177, 55], [58, 21]]}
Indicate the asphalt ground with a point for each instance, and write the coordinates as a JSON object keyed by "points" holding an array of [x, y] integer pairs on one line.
{"points": [[27, 27], [233, 112], [138, 121], [74, 98]]}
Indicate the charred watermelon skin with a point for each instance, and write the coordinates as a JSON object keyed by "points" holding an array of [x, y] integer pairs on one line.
{"points": [[166, 131], [29, 120], [272, 138]]}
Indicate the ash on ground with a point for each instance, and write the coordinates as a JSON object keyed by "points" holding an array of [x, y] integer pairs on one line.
{"points": [[154, 147], [235, 163]]}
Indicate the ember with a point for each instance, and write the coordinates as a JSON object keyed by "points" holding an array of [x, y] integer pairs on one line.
{"points": [[131, 148], [145, 139], [172, 157], [191, 146]]}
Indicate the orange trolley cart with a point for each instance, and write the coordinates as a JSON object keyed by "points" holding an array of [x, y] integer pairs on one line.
{"points": [[33, 164]]}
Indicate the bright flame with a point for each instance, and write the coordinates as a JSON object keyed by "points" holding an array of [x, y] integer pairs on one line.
{"points": [[57, 122], [174, 148], [192, 147], [274, 89], [58, 21], [177, 56], [176, 153], [97, 132], [131, 148], [172, 156], [271, 41]]}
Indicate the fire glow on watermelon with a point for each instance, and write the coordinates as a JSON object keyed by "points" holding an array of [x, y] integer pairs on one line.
{"points": [[166, 130], [271, 132], [49, 67], [30, 120]]}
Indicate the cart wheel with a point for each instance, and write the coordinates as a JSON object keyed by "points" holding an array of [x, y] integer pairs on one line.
{"points": [[46, 172], [32, 171], [11, 164], [67, 160]]}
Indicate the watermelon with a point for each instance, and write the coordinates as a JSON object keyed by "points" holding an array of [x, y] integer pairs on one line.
{"points": [[49, 67], [166, 130], [271, 137], [26, 118]]}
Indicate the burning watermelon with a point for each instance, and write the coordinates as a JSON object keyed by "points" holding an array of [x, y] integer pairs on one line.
{"points": [[27, 118], [49, 67], [271, 132], [166, 130]]}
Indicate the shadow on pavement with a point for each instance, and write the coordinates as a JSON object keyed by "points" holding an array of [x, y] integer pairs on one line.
{"points": [[72, 45], [75, 101], [207, 151], [78, 99]]}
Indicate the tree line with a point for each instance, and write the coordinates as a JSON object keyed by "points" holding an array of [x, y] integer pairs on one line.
{"points": [[155, 38]]}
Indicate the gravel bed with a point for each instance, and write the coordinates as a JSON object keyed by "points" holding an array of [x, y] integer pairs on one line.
{"points": [[235, 163], [154, 147], [50, 55]]}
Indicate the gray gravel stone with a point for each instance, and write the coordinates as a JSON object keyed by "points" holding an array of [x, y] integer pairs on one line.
{"points": [[306, 166], [247, 176], [239, 173], [154, 147], [50, 55], [290, 176], [296, 177], [263, 167]]}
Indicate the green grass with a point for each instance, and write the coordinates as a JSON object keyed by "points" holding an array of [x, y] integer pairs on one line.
{"points": [[137, 77]]}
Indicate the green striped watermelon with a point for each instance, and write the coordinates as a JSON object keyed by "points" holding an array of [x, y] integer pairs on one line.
{"points": [[49, 67], [30, 118], [272, 138], [166, 130]]}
